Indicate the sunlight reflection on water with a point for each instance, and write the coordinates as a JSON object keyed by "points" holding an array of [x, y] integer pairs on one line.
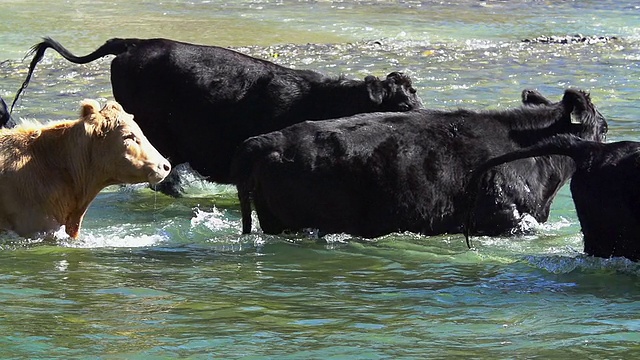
{"points": [[152, 276]]}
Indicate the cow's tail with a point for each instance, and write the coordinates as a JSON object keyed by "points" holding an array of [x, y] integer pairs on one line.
{"points": [[246, 165], [243, 167], [111, 47], [240, 175], [566, 145]]}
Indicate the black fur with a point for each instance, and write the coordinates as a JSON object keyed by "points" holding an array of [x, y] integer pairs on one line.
{"points": [[5, 116], [604, 188], [373, 174], [197, 103], [533, 97]]}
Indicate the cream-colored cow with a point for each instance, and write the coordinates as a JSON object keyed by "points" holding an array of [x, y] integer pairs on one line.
{"points": [[49, 174]]}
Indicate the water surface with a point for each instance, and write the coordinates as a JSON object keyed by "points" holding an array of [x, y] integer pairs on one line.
{"points": [[155, 277]]}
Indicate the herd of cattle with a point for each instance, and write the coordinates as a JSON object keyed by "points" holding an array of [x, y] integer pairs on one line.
{"points": [[379, 163]]}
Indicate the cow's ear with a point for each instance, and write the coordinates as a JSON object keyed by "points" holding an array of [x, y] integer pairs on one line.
{"points": [[575, 102], [89, 107], [370, 79], [375, 89], [90, 112], [399, 78], [534, 97]]}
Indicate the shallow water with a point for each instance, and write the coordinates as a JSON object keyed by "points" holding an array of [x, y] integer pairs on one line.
{"points": [[152, 276]]}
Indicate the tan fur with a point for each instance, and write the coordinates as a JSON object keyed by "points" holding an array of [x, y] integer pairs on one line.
{"points": [[49, 174]]}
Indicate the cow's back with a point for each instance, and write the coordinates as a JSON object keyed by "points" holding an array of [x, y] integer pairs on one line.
{"points": [[19, 177], [375, 173], [173, 75], [189, 98]]}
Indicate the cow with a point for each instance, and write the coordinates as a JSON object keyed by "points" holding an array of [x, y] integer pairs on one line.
{"points": [[373, 174], [50, 174], [604, 189], [5, 117], [198, 103]]}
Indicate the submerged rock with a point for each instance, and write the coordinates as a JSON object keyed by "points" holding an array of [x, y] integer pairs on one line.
{"points": [[571, 39]]}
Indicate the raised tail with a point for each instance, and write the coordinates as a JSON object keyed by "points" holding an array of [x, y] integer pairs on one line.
{"points": [[564, 144], [111, 47]]}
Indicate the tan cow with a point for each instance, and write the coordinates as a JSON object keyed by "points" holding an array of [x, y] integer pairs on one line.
{"points": [[49, 174]]}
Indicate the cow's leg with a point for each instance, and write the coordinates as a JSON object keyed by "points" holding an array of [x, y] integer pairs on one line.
{"points": [[244, 195], [269, 222]]}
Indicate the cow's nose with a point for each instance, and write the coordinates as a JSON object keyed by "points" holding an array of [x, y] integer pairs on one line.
{"points": [[165, 166]]}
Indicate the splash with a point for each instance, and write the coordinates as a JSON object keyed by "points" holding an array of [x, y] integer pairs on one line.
{"points": [[121, 236], [111, 237], [555, 225], [214, 220]]}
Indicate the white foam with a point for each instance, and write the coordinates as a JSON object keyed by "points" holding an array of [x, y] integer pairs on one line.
{"points": [[110, 237], [214, 220], [106, 241]]}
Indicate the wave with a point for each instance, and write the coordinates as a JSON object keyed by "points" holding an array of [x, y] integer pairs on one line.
{"points": [[566, 264]]}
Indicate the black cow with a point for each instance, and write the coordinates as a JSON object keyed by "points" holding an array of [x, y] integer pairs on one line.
{"points": [[373, 174], [604, 188], [197, 103], [5, 117]]}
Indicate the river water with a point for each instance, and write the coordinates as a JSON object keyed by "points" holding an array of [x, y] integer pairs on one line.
{"points": [[156, 277]]}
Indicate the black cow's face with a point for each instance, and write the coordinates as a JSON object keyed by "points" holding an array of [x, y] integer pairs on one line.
{"points": [[579, 109], [395, 93], [602, 126], [584, 114]]}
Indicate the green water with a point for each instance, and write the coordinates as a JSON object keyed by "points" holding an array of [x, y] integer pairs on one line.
{"points": [[155, 277]]}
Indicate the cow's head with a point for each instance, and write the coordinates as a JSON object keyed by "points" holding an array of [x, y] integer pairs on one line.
{"points": [[581, 114], [119, 149], [573, 114], [395, 93]]}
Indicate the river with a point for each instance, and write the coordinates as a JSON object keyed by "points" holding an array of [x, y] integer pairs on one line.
{"points": [[156, 277]]}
